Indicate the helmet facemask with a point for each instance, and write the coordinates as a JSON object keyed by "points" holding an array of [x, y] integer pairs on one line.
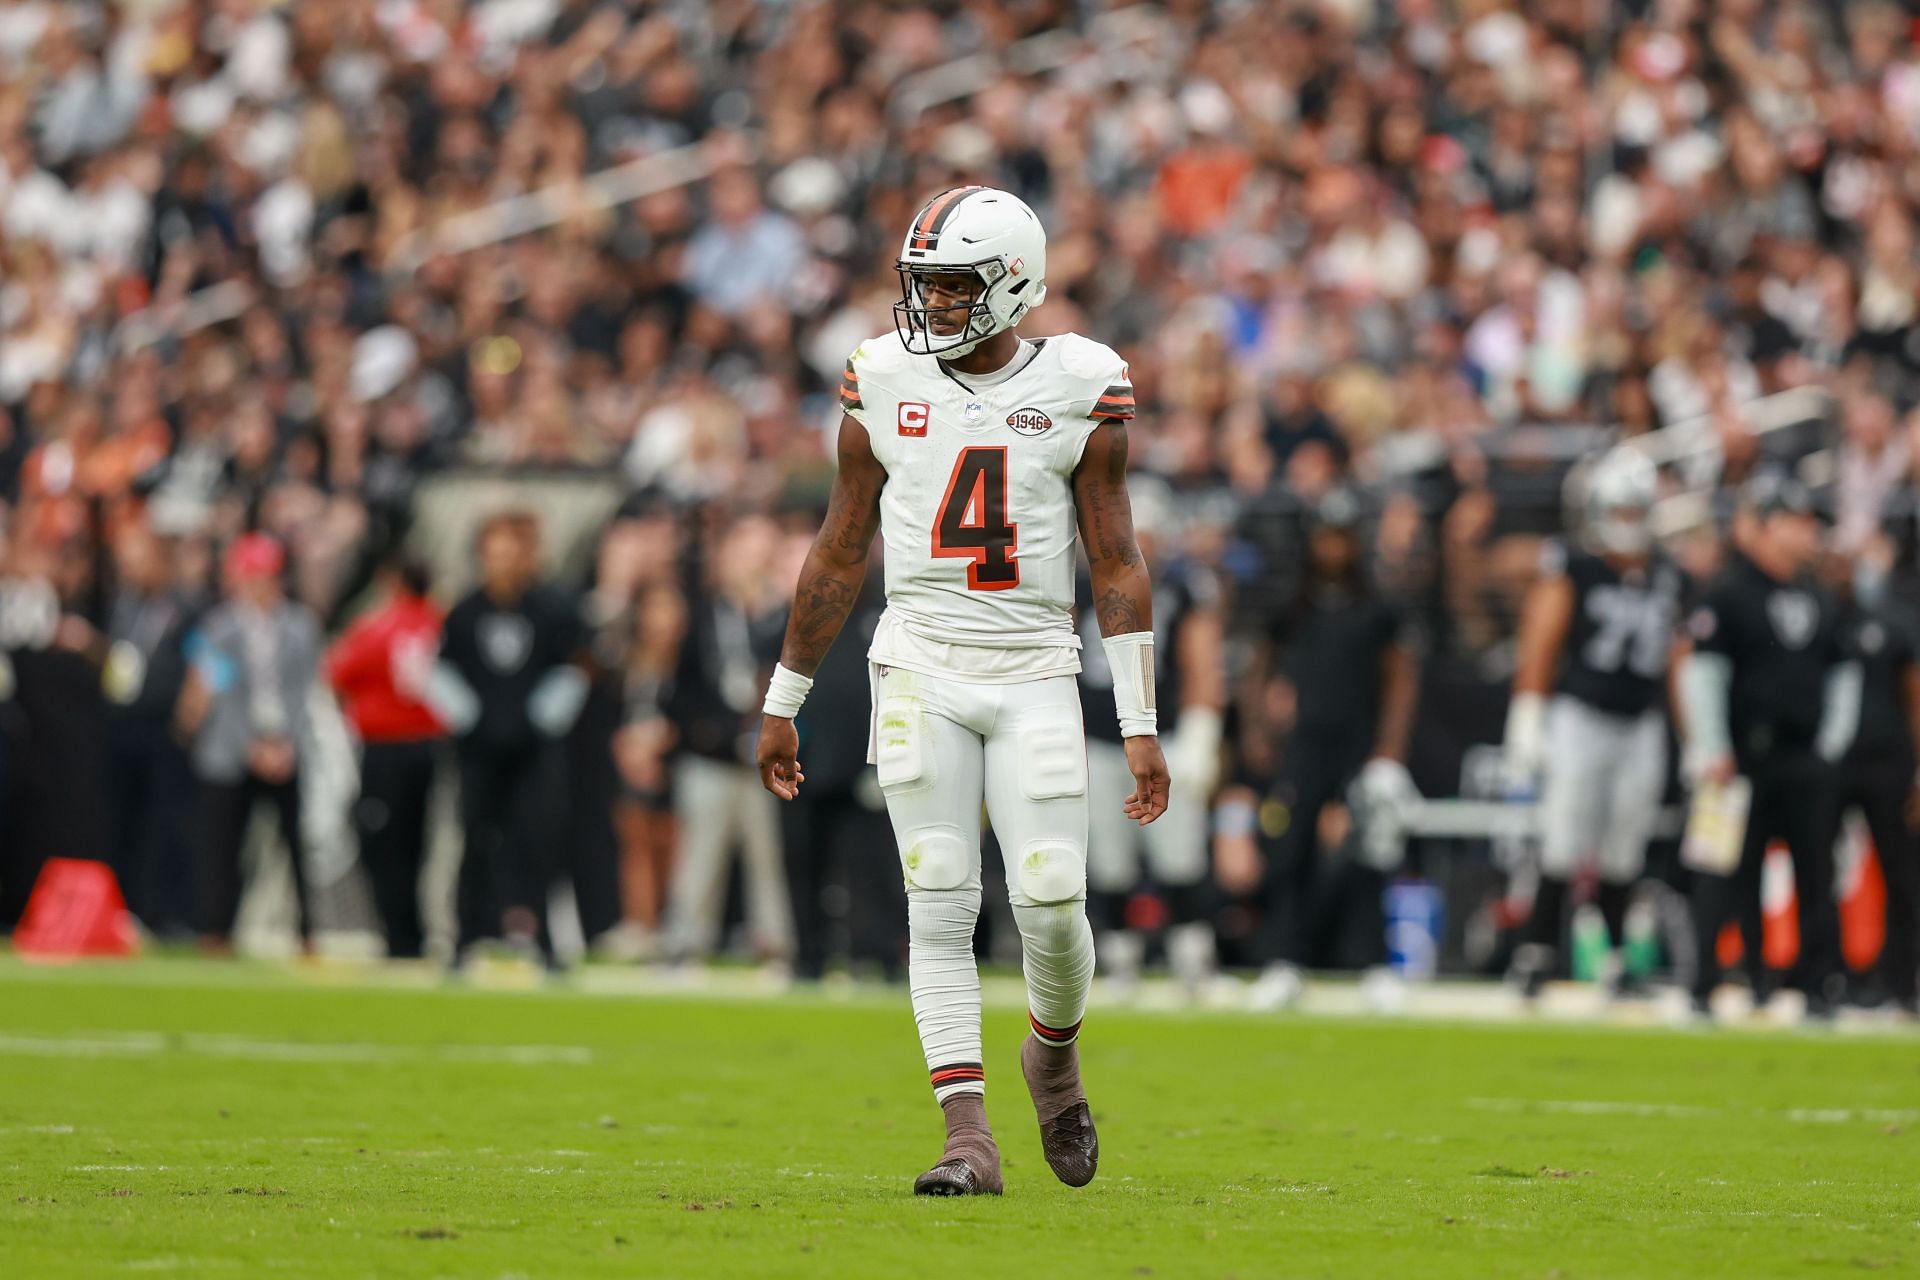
{"points": [[1622, 530], [1620, 497], [972, 321]]}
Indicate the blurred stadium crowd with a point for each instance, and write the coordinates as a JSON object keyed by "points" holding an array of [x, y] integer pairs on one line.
{"points": [[281, 269]]}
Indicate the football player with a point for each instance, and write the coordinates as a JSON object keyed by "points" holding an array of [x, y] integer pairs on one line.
{"points": [[1595, 634], [1192, 696], [977, 452]]}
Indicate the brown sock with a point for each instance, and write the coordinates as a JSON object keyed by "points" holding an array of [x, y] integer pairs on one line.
{"points": [[1053, 1075], [970, 1137]]}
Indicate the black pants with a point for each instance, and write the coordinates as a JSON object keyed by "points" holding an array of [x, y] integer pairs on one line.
{"points": [[225, 810], [1294, 926], [511, 810], [1879, 786], [390, 816], [150, 808], [1793, 795], [834, 841], [590, 853]]}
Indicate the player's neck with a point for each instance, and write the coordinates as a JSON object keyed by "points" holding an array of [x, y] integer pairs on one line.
{"points": [[991, 356]]}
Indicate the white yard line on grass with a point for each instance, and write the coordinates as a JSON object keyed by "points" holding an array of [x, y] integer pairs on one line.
{"points": [[1671, 1111], [136, 1044], [1591, 1107]]}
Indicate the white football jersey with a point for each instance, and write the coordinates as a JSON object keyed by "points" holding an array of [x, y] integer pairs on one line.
{"points": [[977, 513]]}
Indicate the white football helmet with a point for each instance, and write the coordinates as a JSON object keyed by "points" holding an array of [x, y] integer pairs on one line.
{"points": [[1620, 491], [982, 231]]}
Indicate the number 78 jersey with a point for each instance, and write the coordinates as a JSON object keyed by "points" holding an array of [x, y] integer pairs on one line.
{"points": [[977, 513]]}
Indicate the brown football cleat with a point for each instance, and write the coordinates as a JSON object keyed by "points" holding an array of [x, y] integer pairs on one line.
{"points": [[970, 1165], [1067, 1136]]}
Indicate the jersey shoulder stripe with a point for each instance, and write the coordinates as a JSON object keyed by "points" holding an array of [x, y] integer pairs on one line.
{"points": [[1116, 403], [1098, 368], [875, 365], [850, 388]]}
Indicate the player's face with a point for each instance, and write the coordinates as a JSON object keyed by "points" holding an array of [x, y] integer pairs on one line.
{"points": [[1626, 535], [948, 297], [1334, 551], [1796, 538], [505, 561]]}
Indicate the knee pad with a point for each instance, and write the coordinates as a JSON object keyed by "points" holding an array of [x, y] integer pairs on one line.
{"points": [[936, 859], [1052, 871]]}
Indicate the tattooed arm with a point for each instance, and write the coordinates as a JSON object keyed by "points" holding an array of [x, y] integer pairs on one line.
{"points": [[829, 583], [1122, 592]]}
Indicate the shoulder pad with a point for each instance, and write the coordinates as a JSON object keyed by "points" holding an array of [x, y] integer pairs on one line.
{"points": [[1082, 357], [881, 354], [1097, 374]]}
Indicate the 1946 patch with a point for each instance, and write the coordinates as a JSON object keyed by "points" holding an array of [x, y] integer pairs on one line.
{"points": [[1029, 422]]}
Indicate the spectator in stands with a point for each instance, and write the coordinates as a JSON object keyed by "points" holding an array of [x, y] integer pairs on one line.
{"points": [[745, 254], [509, 686], [379, 669], [252, 660]]}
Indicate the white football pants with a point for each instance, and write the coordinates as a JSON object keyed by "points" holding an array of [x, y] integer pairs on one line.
{"points": [[1175, 845], [1601, 795], [942, 748]]}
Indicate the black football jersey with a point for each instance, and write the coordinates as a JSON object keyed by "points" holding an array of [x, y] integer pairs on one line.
{"points": [[1881, 638], [1782, 638], [1623, 627]]}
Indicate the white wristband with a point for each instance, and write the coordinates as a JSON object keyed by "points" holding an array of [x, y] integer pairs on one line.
{"points": [[1526, 734], [786, 691], [1130, 657]]}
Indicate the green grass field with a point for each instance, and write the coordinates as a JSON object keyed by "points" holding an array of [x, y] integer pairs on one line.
{"points": [[243, 1121]]}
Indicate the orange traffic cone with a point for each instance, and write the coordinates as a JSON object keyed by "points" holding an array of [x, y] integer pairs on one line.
{"points": [[1779, 918], [1862, 895], [75, 910]]}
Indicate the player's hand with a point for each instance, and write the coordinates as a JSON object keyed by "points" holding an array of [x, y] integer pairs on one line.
{"points": [[1150, 780], [778, 756], [1719, 772]]}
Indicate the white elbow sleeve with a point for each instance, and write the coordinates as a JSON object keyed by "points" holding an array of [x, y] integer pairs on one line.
{"points": [[1704, 680], [1131, 658], [452, 698], [555, 703], [1526, 736], [1840, 712]]}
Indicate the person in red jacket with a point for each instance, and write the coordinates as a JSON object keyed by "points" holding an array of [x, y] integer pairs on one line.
{"points": [[379, 670]]}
